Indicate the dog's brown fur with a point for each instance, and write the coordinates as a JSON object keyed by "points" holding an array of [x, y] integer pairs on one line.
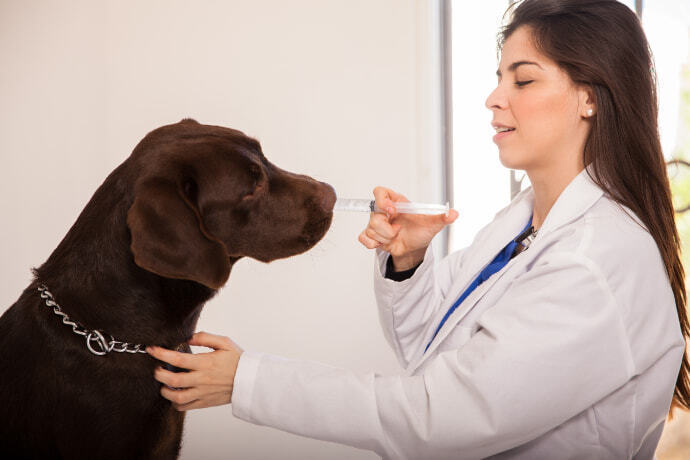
{"points": [[154, 243]]}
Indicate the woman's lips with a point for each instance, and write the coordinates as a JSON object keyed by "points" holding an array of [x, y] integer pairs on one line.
{"points": [[498, 136]]}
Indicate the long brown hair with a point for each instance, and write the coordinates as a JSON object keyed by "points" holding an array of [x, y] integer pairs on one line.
{"points": [[601, 44]]}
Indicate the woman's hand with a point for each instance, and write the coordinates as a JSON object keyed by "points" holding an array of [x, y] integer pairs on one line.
{"points": [[404, 236], [209, 381]]}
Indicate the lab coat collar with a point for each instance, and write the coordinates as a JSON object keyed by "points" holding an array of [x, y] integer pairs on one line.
{"points": [[578, 196]]}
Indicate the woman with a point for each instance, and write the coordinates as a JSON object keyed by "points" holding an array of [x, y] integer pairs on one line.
{"points": [[564, 344]]}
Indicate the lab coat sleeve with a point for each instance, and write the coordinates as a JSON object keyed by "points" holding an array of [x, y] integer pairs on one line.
{"points": [[405, 307], [551, 347]]}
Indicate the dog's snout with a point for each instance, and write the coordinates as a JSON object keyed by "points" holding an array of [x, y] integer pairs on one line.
{"points": [[329, 197]]}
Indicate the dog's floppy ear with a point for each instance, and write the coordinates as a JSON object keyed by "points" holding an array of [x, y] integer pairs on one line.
{"points": [[169, 238]]}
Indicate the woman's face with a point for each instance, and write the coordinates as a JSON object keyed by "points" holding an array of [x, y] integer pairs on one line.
{"points": [[544, 112]]}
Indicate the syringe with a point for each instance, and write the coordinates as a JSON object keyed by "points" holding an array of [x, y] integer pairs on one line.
{"points": [[345, 204]]}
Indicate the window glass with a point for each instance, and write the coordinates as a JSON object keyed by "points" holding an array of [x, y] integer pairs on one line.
{"points": [[480, 183]]}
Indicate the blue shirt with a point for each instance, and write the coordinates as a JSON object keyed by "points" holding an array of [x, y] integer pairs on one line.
{"points": [[495, 265]]}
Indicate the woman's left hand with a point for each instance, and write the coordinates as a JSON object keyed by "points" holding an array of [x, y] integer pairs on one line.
{"points": [[211, 375]]}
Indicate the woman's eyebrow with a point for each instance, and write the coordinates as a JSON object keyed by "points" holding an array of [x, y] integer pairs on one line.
{"points": [[516, 64]]}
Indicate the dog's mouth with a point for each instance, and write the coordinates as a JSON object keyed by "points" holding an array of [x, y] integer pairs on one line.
{"points": [[321, 216], [311, 233], [315, 230]]}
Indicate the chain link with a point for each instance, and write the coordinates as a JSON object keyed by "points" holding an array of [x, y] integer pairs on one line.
{"points": [[96, 340]]}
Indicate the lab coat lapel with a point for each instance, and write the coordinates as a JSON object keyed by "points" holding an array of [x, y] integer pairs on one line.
{"points": [[466, 306], [580, 194], [488, 243], [574, 201], [507, 224]]}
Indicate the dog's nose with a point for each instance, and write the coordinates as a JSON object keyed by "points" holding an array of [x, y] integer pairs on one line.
{"points": [[328, 200]]}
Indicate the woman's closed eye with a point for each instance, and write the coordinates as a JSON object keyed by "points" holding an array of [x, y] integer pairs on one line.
{"points": [[521, 83]]}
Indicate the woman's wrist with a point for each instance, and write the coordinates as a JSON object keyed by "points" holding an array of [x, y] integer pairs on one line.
{"points": [[409, 260]]}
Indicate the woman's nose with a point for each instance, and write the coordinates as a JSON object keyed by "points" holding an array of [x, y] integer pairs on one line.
{"points": [[496, 99]]}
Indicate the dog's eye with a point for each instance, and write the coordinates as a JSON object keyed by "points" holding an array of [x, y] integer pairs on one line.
{"points": [[255, 176], [256, 180], [190, 189]]}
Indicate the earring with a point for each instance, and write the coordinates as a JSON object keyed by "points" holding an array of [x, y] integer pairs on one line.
{"points": [[590, 112]]}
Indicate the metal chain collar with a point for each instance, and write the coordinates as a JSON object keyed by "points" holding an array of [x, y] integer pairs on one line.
{"points": [[95, 339]]}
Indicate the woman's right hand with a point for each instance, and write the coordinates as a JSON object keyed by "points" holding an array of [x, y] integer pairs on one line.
{"points": [[404, 236]]}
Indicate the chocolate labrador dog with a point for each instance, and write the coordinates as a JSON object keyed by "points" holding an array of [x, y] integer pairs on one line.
{"points": [[154, 243]]}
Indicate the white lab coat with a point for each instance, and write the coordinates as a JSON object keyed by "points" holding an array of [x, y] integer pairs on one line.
{"points": [[571, 351]]}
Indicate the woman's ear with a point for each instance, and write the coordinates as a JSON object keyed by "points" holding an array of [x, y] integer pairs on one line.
{"points": [[169, 239], [587, 102]]}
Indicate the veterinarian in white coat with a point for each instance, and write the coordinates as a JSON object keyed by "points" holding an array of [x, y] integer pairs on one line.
{"points": [[567, 349]]}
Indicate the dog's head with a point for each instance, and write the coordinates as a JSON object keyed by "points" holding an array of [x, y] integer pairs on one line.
{"points": [[206, 196]]}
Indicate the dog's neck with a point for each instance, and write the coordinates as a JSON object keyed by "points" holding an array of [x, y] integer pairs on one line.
{"points": [[93, 277]]}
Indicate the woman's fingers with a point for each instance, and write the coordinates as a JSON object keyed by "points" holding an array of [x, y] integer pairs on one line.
{"points": [[385, 199], [177, 359], [380, 227], [368, 243], [450, 217], [384, 230], [441, 220], [387, 196], [371, 233], [187, 390], [215, 398], [378, 232], [208, 340], [178, 379], [372, 237], [181, 396], [193, 361], [437, 222], [210, 381]]}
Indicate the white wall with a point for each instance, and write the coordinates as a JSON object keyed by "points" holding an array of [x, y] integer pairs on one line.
{"points": [[343, 90]]}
